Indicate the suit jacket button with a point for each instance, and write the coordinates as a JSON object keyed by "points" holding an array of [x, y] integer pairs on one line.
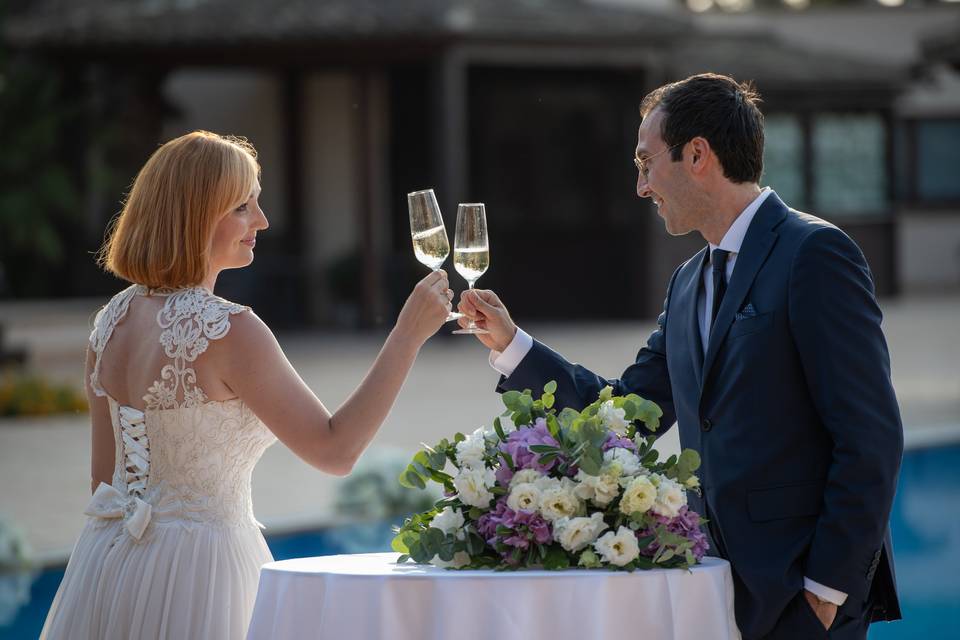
{"points": [[706, 425]]}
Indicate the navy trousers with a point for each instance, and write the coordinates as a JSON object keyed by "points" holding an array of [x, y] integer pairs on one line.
{"points": [[799, 622]]}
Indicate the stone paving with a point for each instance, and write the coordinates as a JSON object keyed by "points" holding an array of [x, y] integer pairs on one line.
{"points": [[44, 462]]}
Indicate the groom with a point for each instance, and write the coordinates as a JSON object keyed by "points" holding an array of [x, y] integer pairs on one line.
{"points": [[770, 356]]}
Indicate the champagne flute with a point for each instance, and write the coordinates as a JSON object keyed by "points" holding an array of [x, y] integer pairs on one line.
{"points": [[471, 251], [430, 243]]}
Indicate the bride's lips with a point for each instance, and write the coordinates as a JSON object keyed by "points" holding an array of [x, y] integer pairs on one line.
{"points": [[250, 242]]}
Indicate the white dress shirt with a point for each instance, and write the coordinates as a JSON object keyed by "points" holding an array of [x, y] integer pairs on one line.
{"points": [[505, 362], [732, 241]]}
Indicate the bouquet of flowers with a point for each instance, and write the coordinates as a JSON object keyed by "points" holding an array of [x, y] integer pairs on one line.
{"points": [[556, 490]]}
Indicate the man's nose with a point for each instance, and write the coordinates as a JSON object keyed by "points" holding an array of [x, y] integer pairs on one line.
{"points": [[643, 188]]}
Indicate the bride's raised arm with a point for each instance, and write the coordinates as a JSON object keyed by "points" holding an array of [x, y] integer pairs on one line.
{"points": [[252, 364]]}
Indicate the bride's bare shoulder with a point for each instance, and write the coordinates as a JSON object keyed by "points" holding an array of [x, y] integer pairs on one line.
{"points": [[248, 337]]}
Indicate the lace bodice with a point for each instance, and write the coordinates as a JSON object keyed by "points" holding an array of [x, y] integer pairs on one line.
{"points": [[183, 458]]}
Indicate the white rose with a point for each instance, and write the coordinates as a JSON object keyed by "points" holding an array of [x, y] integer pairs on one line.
{"points": [[620, 461], [670, 498], [574, 534], [618, 548], [470, 451], [559, 500], [449, 521], [473, 486], [600, 490], [545, 483], [460, 559], [638, 496], [524, 476], [612, 417], [524, 497]]}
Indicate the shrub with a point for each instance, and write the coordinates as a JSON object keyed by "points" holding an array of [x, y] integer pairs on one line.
{"points": [[33, 396]]}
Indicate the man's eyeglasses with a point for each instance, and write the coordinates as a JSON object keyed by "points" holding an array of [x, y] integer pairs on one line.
{"points": [[643, 164]]}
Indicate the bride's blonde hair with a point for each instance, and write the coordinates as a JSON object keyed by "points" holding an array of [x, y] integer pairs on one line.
{"points": [[161, 239]]}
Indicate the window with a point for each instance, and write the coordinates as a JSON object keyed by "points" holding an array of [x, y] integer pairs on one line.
{"points": [[849, 164], [937, 161], [783, 158]]}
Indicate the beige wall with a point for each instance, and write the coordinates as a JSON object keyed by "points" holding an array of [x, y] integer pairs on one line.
{"points": [[243, 103], [928, 245], [330, 167], [330, 184]]}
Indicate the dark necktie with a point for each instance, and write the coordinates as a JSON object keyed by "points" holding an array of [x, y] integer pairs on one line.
{"points": [[718, 260]]}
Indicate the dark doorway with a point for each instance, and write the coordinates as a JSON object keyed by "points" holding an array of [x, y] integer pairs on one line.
{"points": [[550, 154]]}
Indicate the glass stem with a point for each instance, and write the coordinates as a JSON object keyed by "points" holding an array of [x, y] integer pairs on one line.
{"points": [[472, 324]]}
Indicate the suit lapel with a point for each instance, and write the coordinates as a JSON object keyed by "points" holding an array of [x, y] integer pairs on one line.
{"points": [[689, 294], [756, 247]]}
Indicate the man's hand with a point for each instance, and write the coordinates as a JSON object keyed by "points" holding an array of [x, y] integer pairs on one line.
{"points": [[825, 611], [484, 307]]}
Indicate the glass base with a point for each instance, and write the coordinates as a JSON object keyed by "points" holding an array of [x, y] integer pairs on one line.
{"points": [[473, 330]]}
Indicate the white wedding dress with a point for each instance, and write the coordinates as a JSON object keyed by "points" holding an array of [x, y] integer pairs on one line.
{"points": [[171, 548]]}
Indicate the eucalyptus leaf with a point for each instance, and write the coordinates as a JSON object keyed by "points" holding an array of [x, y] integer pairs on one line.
{"points": [[554, 427], [421, 469], [666, 555], [431, 539], [414, 480], [398, 545], [556, 559], [419, 554], [511, 399], [437, 460], [588, 466], [498, 427], [567, 416]]}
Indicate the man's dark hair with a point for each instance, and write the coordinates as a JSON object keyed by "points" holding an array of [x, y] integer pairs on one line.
{"points": [[716, 108]]}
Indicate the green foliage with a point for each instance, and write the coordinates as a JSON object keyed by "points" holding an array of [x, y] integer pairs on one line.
{"points": [[580, 437], [34, 396], [371, 491], [40, 206], [15, 551]]}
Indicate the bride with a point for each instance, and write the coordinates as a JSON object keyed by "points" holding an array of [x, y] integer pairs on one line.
{"points": [[186, 392]]}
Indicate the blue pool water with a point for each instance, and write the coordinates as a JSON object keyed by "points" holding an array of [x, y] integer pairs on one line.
{"points": [[926, 536]]}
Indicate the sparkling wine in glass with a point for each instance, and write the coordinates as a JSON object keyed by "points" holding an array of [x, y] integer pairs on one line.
{"points": [[430, 243], [471, 250]]}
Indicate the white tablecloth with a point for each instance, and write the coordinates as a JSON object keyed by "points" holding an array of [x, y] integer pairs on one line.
{"points": [[368, 596]]}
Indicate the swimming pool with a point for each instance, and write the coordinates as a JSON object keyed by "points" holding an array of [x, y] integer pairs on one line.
{"points": [[926, 537]]}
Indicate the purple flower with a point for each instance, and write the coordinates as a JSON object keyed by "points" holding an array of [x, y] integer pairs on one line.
{"points": [[525, 528], [687, 524], [518, 446], [614, 440]]}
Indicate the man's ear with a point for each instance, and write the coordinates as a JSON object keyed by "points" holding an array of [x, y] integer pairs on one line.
{"points": [[700, 154]]}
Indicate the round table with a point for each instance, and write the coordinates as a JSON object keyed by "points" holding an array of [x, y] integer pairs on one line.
{"points": [[368, 596]]}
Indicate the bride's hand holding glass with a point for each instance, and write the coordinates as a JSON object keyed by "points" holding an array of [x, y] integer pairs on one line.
{"points": [[426, 308], [430, 244]]}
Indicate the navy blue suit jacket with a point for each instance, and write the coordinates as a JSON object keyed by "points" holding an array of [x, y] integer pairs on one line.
{"points": [[791, 409]]}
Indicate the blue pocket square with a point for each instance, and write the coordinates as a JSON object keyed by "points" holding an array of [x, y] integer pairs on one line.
{"points": [[747, 312]]}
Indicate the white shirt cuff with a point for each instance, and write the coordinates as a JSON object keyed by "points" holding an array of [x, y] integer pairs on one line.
{"points": [[505, 362], [824, 592]]}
